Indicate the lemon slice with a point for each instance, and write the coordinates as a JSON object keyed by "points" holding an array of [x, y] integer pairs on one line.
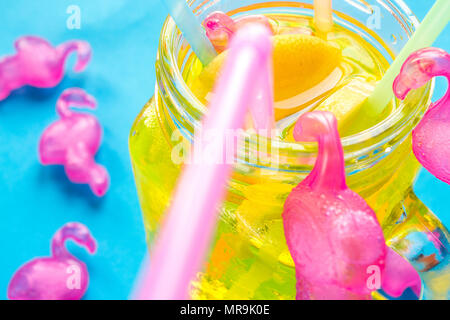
{"points": [[300, 62], [346, 104]]}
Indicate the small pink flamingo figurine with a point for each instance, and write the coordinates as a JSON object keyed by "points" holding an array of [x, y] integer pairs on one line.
{"points": [[73, 142], [431, 138], [38, 64], [333, 235], [220, 27], [59, 277]]}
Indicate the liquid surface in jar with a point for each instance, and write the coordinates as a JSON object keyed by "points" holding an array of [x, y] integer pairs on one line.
{"points": [[333, 72]]}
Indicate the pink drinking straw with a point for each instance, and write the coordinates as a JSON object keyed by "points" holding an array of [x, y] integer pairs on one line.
{"points": [[187, 229], [323, 15]]}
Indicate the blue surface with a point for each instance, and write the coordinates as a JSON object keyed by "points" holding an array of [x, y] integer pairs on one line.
{"points": [[34, 200]]}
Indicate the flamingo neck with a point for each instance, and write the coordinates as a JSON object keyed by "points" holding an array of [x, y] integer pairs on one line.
{"points": [[58, 246], [441, 68], [63, 108], [329, 170], [64, 50]]}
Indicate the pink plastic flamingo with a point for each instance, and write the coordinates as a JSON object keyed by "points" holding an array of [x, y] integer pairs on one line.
{"points": [[220, 27], [38, 64], [431, 138], [73, 142], [333, 235], [59, 277]]}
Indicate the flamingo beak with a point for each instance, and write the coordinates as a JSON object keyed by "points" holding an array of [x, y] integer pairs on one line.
{"points": [[91, 245], [401, 90]]}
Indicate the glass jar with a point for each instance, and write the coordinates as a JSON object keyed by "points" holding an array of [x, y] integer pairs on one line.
{"points": [[249, 258]]}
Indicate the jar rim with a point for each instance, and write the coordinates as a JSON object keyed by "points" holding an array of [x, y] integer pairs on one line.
{"points": [[357, 144]]}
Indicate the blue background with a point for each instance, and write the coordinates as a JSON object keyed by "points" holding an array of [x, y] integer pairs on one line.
{"points": [[34, 200]]}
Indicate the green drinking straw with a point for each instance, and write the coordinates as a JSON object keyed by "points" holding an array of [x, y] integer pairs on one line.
{"points": [[191, 29], [433, 24]]}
